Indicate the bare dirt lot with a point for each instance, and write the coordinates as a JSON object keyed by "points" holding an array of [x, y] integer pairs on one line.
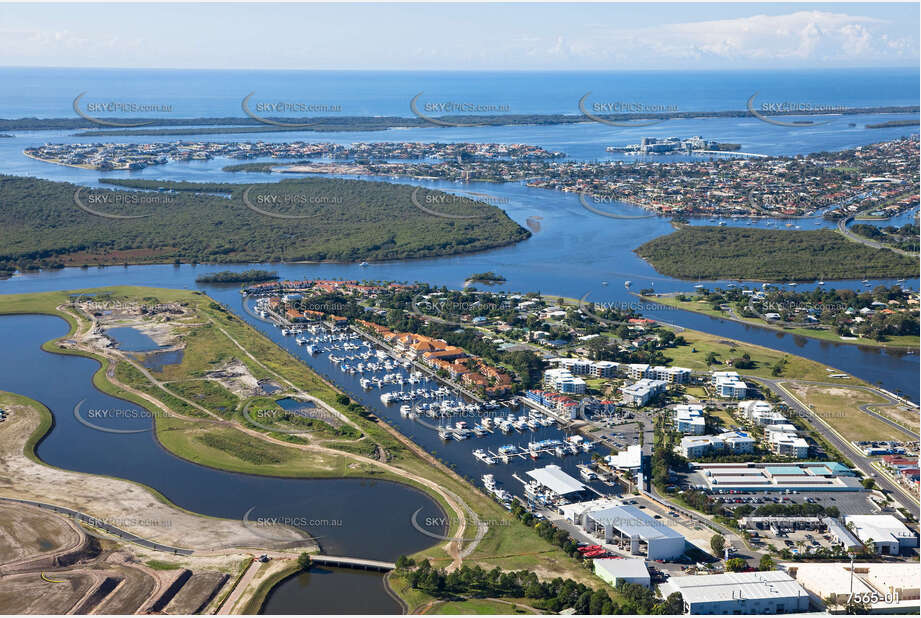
{"points": [[28, 532], [107, 498]]}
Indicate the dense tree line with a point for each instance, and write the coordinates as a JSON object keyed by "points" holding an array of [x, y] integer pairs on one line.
{"points": [[552, 596], [41, 225], [904, 237], [376, 123], [230, 276], [695, 252]]}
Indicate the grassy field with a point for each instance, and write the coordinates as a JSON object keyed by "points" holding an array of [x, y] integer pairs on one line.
{"points": [[899, 341], [764, 358], [840, 408], [724, 417], [905, 416]]}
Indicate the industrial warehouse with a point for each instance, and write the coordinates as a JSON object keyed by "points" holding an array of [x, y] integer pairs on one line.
{"points": [[626, 526], [808, 476], [762, 592]]}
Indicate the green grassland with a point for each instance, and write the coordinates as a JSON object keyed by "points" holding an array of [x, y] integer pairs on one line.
{"points": [[700, 345], [840, 408]]}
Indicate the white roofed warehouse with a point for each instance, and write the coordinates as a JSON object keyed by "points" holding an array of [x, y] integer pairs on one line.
{"points": [[628, 570], [886, 533], [760, 592], [635, 529]]}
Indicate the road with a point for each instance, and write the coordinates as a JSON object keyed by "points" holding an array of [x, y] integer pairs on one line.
{"points": [[842, 229], [863, 463], [104, 525]]}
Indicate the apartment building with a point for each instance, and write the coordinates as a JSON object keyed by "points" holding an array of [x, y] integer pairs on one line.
{"points": [[731, 442], [729, 385], [689, 418], [639, 393]]}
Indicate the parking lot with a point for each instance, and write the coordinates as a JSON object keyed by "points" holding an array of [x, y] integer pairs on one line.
{"points": [[847, 502], [797, 541]]}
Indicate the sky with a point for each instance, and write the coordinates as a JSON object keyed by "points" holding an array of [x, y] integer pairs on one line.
{"points": [[649, 36]]}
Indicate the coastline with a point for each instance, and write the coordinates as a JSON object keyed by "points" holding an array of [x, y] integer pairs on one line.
{"points": [[761, 324]]}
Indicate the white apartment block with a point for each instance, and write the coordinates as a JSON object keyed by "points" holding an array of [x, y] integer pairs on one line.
{"points": [[788, 444], [689, 418], [729, 385], [562, 380], [639, 393], [585, 367], [672, 375], [731, 442]]}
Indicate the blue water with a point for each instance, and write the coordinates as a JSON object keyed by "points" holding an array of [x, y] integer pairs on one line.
{"points": [[290, 404], [372, 517], [131, 339], [49, 93], [574, 251], [156, 361]]}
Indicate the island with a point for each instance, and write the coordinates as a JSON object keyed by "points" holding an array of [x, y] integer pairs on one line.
{"points": [[489, 278], [299, 220], [713, 252], [231, 276]]}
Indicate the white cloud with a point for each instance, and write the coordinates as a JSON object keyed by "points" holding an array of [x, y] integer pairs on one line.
{"points": [[799, 38]]}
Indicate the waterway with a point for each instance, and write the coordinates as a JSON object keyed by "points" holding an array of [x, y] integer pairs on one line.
{"points": [[329, 590], [363, 518], [572, 252]]}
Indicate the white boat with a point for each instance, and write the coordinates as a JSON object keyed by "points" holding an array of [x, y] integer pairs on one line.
{"points": [[386, 398], [627, 284], [405, 411], [366, 384], [363, 264], [489, 482], [485, 458]]}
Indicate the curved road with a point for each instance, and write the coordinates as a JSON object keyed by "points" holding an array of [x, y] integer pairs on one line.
{"points": [[842, 228]]}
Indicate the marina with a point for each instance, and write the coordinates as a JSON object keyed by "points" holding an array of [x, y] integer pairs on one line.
{"points": [[471, 434]]}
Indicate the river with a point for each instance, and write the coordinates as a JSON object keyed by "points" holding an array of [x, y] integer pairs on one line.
{"points": [[363, 518]]}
